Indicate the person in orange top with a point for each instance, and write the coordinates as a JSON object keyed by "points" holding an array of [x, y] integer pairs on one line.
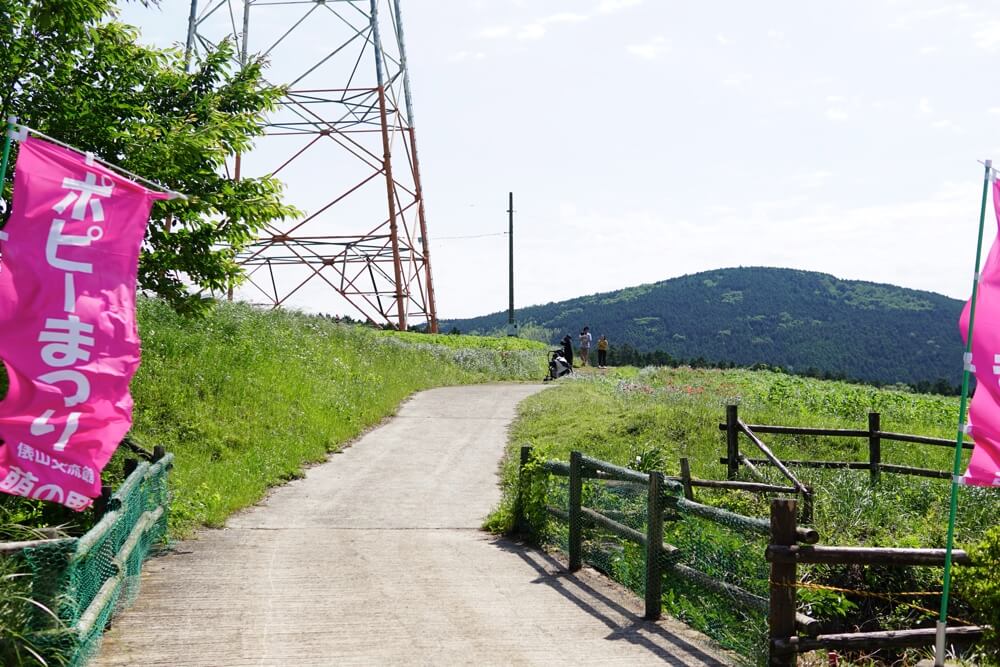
{"points": [[602, 352]]}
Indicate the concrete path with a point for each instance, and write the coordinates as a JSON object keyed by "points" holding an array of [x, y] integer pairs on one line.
{"points": [[376, 557]]}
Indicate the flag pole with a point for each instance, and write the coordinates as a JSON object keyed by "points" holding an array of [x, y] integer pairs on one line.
{"points": [[8, 138], [939, 653]]}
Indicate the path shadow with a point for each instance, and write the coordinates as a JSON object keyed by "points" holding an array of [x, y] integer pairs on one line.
{"points": [[650, 635]]}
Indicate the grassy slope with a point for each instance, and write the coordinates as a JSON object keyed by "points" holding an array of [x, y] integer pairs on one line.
{"points": [[649, 419], [663, 414], [245, 398]]}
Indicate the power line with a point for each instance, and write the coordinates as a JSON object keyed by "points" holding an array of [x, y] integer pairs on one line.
{"points": [[472, 236]]}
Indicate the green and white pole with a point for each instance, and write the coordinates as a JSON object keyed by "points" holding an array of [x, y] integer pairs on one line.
{"points": [[942, 624], [8, 139]]}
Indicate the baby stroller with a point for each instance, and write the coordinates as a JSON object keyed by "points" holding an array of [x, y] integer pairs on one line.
{"points": [[558, 366]]}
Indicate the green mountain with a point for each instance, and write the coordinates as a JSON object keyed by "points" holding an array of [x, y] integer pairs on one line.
{"points": [[800, 320]]}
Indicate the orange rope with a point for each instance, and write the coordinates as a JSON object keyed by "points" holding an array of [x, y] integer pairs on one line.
{"points": [[891, 597]]}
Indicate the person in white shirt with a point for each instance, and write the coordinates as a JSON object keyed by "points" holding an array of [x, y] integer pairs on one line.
{"points": [[585, 339]]}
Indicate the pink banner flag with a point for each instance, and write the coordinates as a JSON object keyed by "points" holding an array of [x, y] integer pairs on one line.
{"points": [[984, 410], [68, 334]]}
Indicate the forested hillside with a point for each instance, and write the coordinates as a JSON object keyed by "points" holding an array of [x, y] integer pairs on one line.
{"points": [[800, 320]]}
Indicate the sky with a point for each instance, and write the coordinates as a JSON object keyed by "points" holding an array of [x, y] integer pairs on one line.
{"points": [[649, 139]]}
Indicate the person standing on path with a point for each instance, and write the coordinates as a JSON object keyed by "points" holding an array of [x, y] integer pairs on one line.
{"points": [[585, 339], [602, 352]]}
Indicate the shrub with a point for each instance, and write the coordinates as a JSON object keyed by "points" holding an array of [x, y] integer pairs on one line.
{"points": [[979, 584]]}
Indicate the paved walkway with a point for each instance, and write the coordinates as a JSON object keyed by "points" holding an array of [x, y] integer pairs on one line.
{"points": [[376, 557]]}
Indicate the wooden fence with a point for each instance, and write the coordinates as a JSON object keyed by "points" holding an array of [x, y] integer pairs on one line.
{"points": [[784, 553], [662, 493], [733, 427], [789, 632]]}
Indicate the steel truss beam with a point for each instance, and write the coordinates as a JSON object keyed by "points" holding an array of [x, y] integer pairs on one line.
{"points": [[347, 112]]}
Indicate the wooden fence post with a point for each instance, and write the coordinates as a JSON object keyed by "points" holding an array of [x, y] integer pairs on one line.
{"points": [[732, 442], [520, 519], [808, 503], [654, 544], [575, 516], [130, 466], [159, 451], [781, 619], [686, 478], [874, 445]]}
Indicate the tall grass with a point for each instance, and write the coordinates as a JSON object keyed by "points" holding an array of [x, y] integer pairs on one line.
{"points": [[648, 419], [244, 398], [633, 417]]}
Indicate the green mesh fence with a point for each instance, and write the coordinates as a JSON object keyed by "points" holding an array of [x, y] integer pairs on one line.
{"points": [[717, 582], [732, 556], [84, 581]]}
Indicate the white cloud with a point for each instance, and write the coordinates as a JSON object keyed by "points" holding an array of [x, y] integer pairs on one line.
{"points": [[737, 79], [906, 242], [531, 31], [946, 11], [864, 242], [988, 37], [650, 50], [924, 106], [534, 30], [994, 109], [564, 17], [722, 39], [811, 180], [612, 6], [494, 32], [834, 99], [775, 35], [837, 115], [462, 56], [927, 50]]}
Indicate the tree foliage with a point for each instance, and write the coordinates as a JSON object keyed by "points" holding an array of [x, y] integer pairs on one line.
{"points": [[980, 585], [72, 71]]}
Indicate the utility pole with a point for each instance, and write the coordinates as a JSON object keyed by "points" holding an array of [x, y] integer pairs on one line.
{"points": [[192, 30], [511, 327]]}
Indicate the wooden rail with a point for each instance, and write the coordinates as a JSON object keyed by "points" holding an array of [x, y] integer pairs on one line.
{"points": [[660, 557], [853, 433], [863, 555], [784, 554], [12, 548], [876, 640], [733, 426], [789, 545], [747, 524], [753, 487], [855, 465], [774, 460]]}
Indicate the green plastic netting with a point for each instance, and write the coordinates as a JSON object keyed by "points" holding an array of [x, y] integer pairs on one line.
{"points": [[711, 552], [85, 581]]}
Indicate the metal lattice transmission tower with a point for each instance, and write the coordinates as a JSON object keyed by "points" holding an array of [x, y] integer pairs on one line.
{"points": [[343, 143]]}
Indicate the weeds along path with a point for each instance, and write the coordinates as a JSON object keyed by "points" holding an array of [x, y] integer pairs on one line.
{"points": [[376, 557]]}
